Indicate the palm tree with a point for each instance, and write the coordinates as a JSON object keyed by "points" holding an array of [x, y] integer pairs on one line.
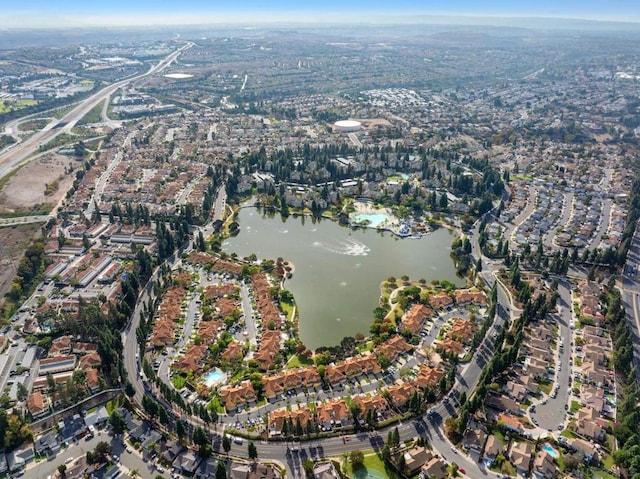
{"points": [[134, 474]]}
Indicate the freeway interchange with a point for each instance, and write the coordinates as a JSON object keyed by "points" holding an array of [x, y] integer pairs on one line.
{"points": [[17, 153]]}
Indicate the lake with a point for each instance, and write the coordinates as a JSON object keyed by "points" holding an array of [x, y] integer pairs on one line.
{"points": [[338, 270]]}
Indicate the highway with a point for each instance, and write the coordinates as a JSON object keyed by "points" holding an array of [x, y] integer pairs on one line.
{"points": [[12, 157], [21, 220], [630, 288]]}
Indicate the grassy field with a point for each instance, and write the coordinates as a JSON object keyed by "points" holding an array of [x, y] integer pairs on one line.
{"points": [[33, 125], [10, 105], [373, 467], [93, 116], [298, 362]]}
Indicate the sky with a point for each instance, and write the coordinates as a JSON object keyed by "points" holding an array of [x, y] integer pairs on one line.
{"points": [[29, 13]]}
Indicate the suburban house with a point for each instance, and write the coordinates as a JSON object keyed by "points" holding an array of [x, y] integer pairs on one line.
{"points": [[520, 456]]}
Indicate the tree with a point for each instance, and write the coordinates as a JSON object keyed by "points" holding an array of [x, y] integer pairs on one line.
{"points": [[356, 457], [226, 444], [150, 406], [22, 393], [355, 409], [134, 474], [252, 451], [117, 422], [199, 436], [307, 465], [102, 450], [180, 430], [221, 470], [62, 470], [384, 361]]}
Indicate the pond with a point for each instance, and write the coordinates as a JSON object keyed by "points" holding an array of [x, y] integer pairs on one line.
{"points": [[338, 270]]}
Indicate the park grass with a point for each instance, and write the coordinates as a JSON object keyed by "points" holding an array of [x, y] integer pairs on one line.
{"points": [[297, 362], [371, 461], [287, 309]]}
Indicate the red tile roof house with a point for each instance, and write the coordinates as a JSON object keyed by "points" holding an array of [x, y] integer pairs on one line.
{"points": [[415, 318], [469, 296], [428, 376], [441, 300], [37, 405], [234, 351], [510, 422], [462, 329], [450, 345], [394, 347], [239, 395], [333, 414], [57, 364], [375, 403], [400, 394], [278, 417]]}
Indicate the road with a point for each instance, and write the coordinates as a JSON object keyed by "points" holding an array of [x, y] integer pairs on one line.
{"points": [[553, 413], [21, 220], [11, 158], [127, 460], [130, 345], [630, 288], [96, 196], [565, 216], [429, 425]]}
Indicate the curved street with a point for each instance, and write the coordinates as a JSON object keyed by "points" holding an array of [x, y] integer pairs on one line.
{"points": [[426, 425]]}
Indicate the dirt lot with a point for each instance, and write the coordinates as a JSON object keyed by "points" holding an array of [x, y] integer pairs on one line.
{"points": [[43, 181], [13, 241]]}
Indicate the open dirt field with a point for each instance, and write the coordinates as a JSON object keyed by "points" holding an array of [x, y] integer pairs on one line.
{"points": [[43, 181], [13, 242]]}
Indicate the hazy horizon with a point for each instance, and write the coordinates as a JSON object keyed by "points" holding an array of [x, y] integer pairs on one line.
{"points": [[73, 13]]}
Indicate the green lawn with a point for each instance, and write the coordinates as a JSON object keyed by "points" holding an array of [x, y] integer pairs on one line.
{"points": [[9, 105], [575, 406], [371, 461], [178, 380], [607, 461], [298, 362], [215, 405], [93, 116], [602, 475], [287, 309], [508, 469], [545, 388]]}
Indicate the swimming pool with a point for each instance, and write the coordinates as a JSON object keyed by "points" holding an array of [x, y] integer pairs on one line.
{"points": [[552, 451], [215, 377], [374, 219]]}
